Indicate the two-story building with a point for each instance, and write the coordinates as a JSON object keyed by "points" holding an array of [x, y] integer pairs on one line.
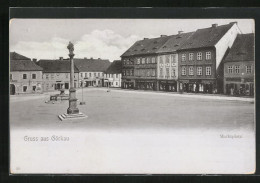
{"points": [[239, 66], [200, 58], [25, 75], [113, 74], [56, 74], [91, 71], [152, 64]]}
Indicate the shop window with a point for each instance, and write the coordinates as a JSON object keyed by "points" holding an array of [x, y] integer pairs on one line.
{"points": [[199, 56], [167, 72], [161, 72], [208, 55]]}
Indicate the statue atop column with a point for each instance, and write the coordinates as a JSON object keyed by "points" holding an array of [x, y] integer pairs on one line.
{"points": [[71, 48]]}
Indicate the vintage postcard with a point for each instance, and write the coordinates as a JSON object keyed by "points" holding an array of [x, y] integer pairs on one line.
{"points": [[132, 96]]}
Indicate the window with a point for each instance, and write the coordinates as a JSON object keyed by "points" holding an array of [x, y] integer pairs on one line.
{"points": [[153, 72], [138, 61], [161, 60], [34, 88], [47, 76], [153, 60], [98, 74], [173, 58], [81, 74], [230, 69], [167, 61], [208, 55], [148, 60], [248, 69], [90, 74], [190, 56], [116, 75], [116, 83], [24, 76], [167, 72], [208, 71], [95, 74], [123, 72], [143, 60], [86, 75], [161, 72], [191, 71], [148, 73], [11, 76], [173, 72], [24, 88], [237, 69], [183, 57], [52, 76], [183, 71], [199, 71], [199, 56], [33, 76]]}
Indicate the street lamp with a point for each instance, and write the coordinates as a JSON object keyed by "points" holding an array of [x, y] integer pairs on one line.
{"points": [[72, 111]]}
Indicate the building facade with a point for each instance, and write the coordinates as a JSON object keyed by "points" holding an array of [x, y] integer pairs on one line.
{"points": [[200, 58], [91, 71], [152, 64], [239, 67], [113, 74], [56, 74], [25, 75]]}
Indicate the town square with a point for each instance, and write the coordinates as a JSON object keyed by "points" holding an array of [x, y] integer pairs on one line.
{"points": [[142, 105]]}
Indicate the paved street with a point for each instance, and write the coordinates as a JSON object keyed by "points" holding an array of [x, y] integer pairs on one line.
{"points": [[133, 132], [133, 110]]}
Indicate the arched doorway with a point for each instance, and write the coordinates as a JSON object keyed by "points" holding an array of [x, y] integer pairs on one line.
{"points": [[12, 89]]}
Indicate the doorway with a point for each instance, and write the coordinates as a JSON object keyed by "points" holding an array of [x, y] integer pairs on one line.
{"points": [[12, 89]]}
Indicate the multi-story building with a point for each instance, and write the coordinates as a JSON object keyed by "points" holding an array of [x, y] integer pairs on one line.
{"points": [[113, 74], [152, 64], [91, 71], [200, 58], [56, 74], [25, 75], [239, 67]]}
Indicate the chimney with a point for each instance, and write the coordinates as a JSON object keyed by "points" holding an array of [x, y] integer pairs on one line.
{"points": [[145, 38], [233, 23], [91, 58], [99, 59], [163, 35], [214, 25], [85, 58], [179, 32], [34, 60], [61, 58]]}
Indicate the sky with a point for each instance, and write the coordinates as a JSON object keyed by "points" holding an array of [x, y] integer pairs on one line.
{"points": [[98, 38]]}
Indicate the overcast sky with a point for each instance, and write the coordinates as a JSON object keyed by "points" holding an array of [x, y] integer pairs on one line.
{"points": [[98, 38]]}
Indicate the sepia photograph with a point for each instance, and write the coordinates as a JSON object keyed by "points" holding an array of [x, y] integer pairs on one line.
{"points": [[132, 96]]}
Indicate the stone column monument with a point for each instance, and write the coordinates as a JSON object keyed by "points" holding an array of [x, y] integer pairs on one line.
{"points": [[72, 99], [72, 111]]}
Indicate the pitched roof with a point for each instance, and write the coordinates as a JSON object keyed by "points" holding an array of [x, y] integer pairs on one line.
{"points": [[242, 49], [24, 65], [206, 37], [56, 66], [91, 65], [146, 46], [17, 56], [175, 42], [115, 67]]}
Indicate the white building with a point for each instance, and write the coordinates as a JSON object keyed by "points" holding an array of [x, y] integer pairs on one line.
{"points": [[113, 75]]}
